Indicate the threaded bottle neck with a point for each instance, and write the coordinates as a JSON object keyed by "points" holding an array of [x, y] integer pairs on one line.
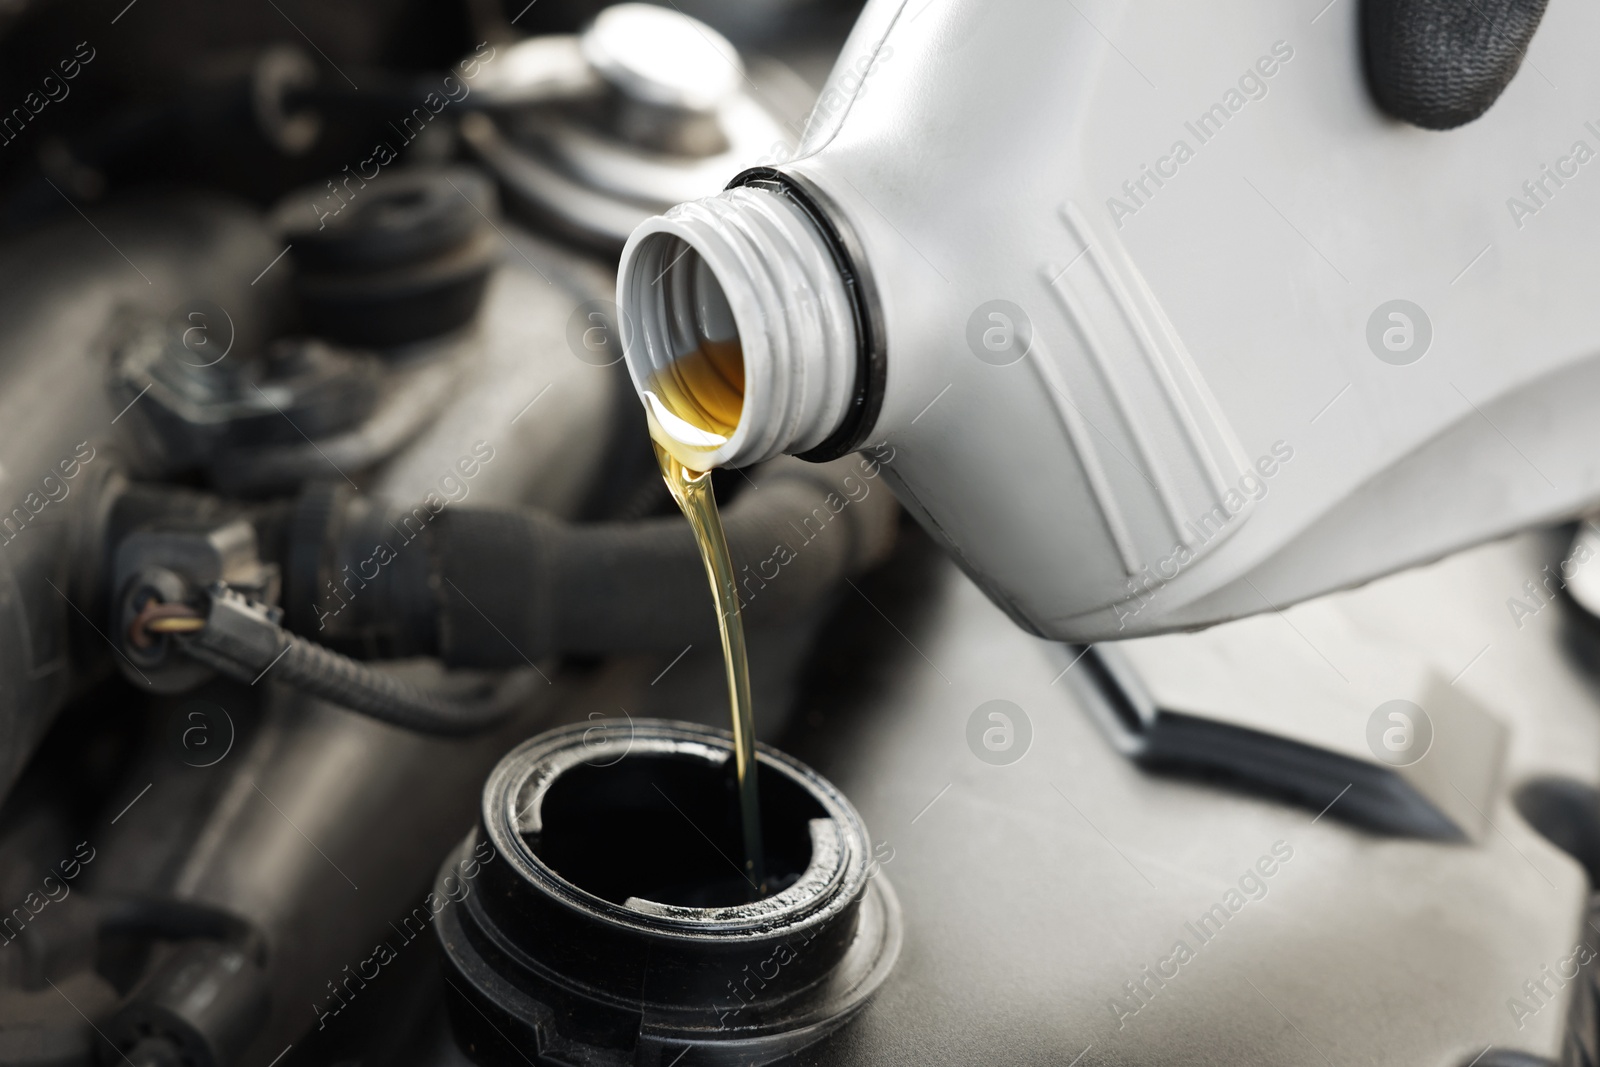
{"points": [[738, 332]]}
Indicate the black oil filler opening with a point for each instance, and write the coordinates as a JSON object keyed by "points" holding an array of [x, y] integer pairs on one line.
{"points": [[666, 829]]}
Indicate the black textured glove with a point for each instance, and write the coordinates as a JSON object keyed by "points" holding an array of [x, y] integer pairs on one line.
{"points": [[1439, 64]]}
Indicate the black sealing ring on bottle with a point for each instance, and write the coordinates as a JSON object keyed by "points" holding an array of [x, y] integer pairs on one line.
{"points": [[601, 918], [848, 255]]}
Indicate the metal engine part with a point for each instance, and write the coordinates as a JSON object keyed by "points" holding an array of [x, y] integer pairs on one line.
{"points": [[61, 291], [594, 133], [311, 773]]}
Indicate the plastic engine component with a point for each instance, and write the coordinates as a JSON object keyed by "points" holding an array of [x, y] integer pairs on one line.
{"points": [[609, 927]]}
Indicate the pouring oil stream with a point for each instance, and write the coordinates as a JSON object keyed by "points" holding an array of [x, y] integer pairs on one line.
{"points": [[705, 389]]}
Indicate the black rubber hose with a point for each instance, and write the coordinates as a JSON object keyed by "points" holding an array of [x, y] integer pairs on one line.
{"points": [[170, 919], [1439, 64], [501, 587]]}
